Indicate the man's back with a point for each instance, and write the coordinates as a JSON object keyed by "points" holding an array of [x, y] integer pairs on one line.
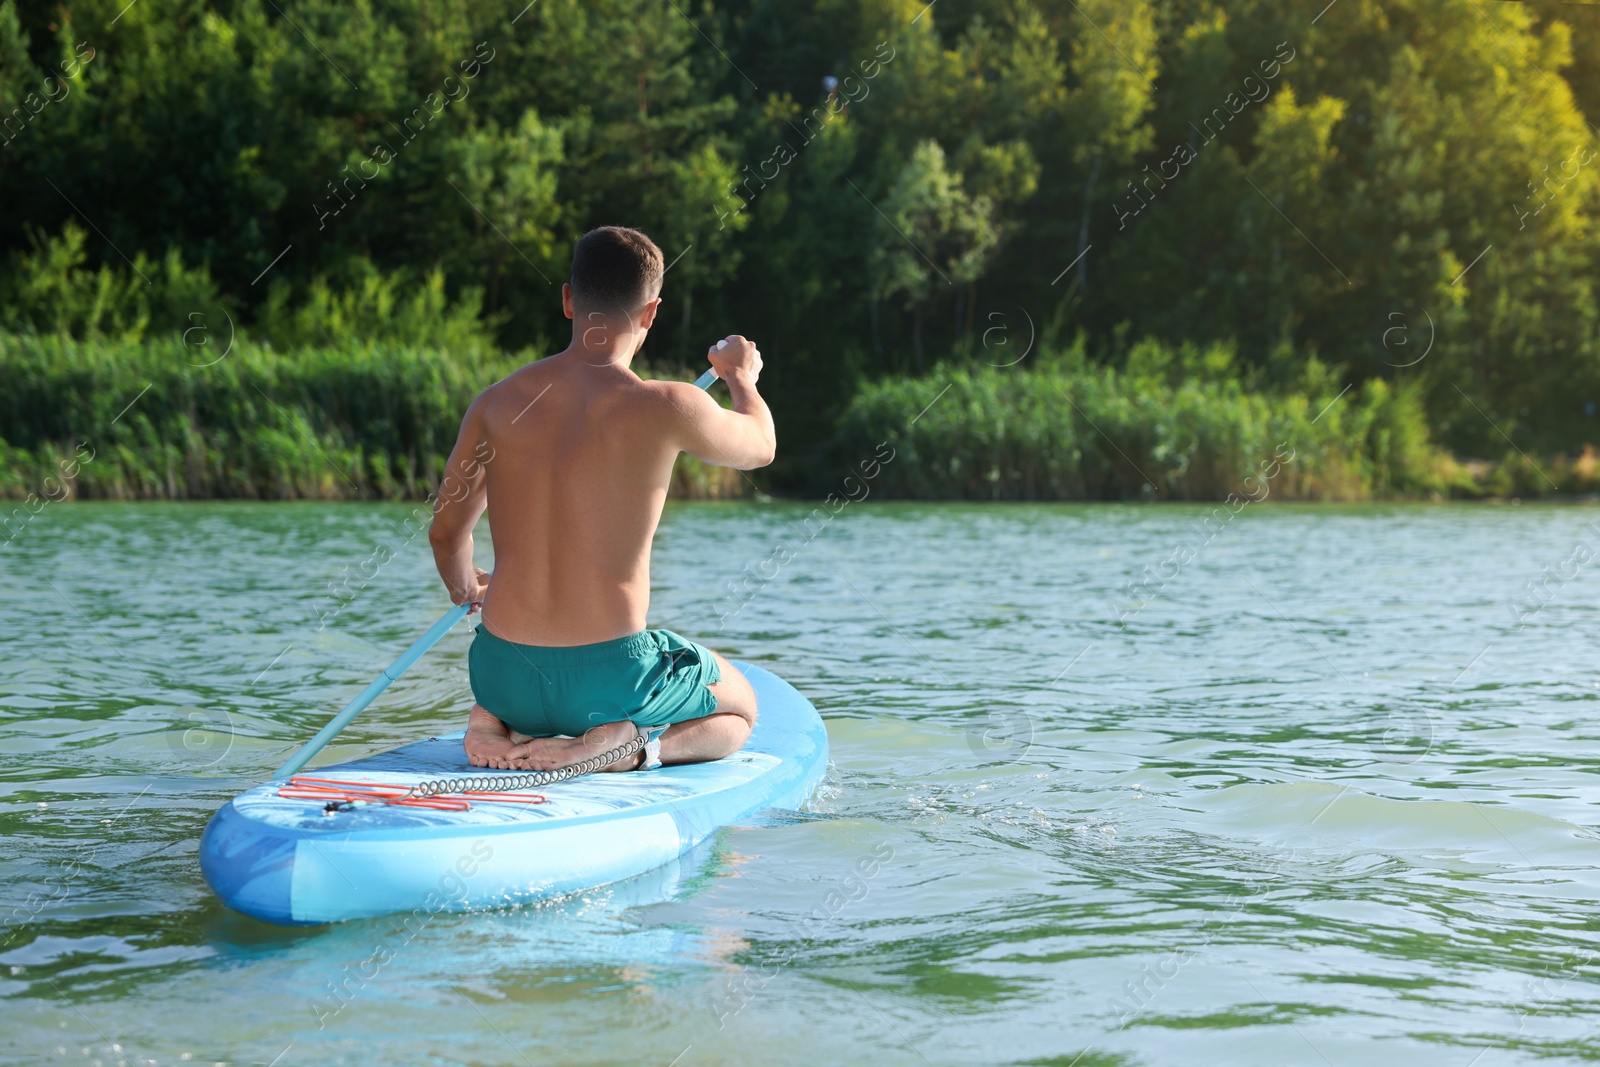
{"points": [[581, 459], [572, 456]]}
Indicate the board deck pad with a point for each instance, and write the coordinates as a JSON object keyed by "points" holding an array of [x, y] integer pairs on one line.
{"points": [[284, 861], [441, 757]]}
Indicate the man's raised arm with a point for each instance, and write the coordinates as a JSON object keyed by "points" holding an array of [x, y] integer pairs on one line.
{"points": [[743, 438]]}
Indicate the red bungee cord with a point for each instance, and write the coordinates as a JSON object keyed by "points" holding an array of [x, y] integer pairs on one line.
{"points": [[338, 793]]}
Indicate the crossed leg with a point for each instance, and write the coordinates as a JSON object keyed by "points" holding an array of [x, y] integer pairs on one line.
{"points": [[491, 743]]}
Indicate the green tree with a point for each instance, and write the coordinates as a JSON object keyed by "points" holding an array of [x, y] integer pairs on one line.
{"points": [[947, 236]]}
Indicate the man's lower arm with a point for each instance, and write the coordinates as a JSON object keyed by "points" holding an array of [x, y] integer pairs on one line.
{"points": [[746, 401], [453, 558]]}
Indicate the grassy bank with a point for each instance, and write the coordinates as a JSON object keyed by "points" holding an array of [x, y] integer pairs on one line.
{"points": [[157, 419], [1072, 431], [144, 420]]}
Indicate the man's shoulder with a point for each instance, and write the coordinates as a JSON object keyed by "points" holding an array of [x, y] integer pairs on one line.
{"points": [[669, 390], [663, 387], [534, 376]]}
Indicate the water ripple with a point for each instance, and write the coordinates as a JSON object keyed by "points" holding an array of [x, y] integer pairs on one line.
{"points": [[1323, 786]]}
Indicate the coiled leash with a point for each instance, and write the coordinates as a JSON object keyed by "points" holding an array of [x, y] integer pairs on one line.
{"points": [[642, 740], [345, 796]]}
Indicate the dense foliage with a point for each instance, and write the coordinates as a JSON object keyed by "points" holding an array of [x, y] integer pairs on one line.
{"points": [[1400, 194], [158, 419], [1156, 430], [143, 419]]}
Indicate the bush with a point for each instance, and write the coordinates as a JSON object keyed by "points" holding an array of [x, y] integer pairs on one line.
{"points": [[50, 290], [375, 420], [391, 308], [1155, 430]]}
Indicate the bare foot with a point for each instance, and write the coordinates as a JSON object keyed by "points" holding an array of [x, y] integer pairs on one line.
{"points": [[553, 753], [489, 742]]}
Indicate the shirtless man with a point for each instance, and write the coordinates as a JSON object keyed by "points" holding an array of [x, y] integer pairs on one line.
{"points": [[571, 456]]}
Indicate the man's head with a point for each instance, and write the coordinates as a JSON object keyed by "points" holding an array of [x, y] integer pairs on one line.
{"points": [[616, 271]]}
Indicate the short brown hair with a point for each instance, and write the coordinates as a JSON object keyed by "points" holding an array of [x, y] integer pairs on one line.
{"points": [[615, 269]]}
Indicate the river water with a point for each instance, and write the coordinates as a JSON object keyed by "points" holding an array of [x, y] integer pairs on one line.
{"points": [[1317, 791]]}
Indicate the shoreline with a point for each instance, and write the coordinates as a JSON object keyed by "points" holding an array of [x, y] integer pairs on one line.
{"points": [[133, 421]]}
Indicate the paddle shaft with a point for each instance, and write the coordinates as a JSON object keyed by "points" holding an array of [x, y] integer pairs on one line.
{"points": [[401, 665], [370, 693]]}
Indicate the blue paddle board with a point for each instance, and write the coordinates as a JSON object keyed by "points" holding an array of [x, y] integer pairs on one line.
{"points": [[284, 861]]}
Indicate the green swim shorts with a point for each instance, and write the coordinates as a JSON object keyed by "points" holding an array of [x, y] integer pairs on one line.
{"points": [[653, 677]]}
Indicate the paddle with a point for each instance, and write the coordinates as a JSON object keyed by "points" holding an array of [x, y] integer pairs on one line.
{"points": [[370, 693], [407, 658]]}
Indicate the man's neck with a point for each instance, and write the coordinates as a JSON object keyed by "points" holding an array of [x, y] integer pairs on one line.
{"points": [[619, 356], [617, 349]]}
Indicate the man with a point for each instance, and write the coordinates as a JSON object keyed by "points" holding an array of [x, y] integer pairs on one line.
{"points": [[571, 456]]}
